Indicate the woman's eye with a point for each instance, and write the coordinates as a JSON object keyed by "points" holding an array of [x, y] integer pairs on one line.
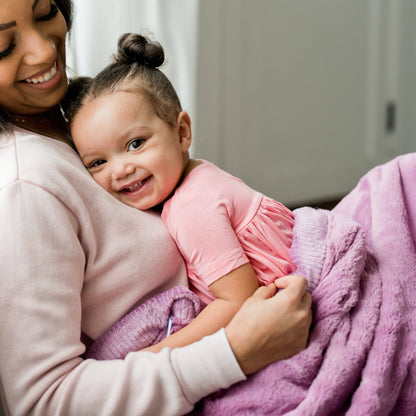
{"points": [[95, 163], [135, 144], [8, 51], [53, 11]]}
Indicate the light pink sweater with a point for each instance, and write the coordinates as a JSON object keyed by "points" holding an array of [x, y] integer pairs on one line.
{"points": [[72, 259]]}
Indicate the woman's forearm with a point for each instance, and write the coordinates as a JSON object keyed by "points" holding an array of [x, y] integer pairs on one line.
{"points": [[40, 318]]}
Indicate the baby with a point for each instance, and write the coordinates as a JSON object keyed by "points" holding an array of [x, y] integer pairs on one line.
{"points": [[134, 138]]}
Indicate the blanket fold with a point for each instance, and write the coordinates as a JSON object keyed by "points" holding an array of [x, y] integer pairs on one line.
{"points": [[148, 324], [360, 262], [330, 250]]}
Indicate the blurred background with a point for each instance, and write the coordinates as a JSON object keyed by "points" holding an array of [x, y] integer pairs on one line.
{"points": [[299, 98]]}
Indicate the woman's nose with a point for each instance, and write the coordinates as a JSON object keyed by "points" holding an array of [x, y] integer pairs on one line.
{"points": [[40, 49]]}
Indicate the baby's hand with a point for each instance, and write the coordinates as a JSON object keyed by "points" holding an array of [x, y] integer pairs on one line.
{"points": [[271, 326]]}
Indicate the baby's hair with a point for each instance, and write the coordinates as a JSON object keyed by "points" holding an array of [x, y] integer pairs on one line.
{"points": [[134, 69], [77, 89]]}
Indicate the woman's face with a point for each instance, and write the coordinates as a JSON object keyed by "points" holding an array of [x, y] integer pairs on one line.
{"points": [[32, 56]]}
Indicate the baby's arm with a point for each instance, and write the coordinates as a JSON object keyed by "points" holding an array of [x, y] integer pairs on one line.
{"points": [[230, 291]]}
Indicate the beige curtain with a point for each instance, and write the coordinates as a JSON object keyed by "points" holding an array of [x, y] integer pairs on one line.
{"points": [[98, 24]]}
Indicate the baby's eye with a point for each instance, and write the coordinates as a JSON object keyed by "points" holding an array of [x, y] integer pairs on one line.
{"points": [[135, 144], [95, 163]]}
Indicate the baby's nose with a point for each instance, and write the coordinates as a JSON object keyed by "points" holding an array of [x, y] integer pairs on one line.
{"points": [[122, 169]]}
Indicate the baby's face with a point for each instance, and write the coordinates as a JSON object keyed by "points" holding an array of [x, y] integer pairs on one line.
{"points": [[128, 149]]}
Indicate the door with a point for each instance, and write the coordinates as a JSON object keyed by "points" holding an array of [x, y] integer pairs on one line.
{"points": [[300, 98]]}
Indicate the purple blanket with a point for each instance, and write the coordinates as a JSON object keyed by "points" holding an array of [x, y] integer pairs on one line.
{"points": [[360, 261], [147, 325]]}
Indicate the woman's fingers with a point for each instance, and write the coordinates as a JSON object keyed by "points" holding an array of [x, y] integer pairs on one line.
{"points": [[268, 328], [296, 283], [264, 292]]}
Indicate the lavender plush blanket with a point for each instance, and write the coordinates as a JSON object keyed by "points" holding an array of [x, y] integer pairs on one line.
{"points": [[360, 261]]}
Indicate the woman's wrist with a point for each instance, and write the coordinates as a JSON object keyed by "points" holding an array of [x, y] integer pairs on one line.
{"points": [[206, 366]]}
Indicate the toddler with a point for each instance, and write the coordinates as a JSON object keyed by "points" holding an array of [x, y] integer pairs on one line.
{"points": [[133, 136]]}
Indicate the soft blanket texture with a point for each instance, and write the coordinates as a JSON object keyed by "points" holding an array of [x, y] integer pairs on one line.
{"points": [[360, 261], [148, 324]]}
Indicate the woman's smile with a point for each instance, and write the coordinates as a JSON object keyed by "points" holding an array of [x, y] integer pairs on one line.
{"points": [[45, 80], [32, 46], [42, 76]]}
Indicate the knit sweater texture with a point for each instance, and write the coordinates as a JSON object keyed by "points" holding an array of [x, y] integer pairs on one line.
{"points": [[73, 261]]}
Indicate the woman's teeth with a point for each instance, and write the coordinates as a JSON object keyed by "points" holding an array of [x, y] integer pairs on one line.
{"points": [[46, 77]]}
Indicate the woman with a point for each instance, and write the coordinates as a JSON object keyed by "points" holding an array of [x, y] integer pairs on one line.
{"points": [[74, 260]]}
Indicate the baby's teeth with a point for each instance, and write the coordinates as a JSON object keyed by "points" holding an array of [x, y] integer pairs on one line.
{"points": [[134, 187]]}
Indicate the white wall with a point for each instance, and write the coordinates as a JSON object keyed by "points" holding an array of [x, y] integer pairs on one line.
{"points": [[290, 95], [99, 23]]}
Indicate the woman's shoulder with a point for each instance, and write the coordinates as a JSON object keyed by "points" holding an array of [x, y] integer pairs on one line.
{"points": [[35, 158], [8, 164]]}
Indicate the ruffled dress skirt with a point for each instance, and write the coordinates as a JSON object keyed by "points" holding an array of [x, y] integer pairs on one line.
{"points": [[267, 239]]}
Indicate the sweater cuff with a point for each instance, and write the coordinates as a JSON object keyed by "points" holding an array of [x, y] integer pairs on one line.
{"points": [[206, 366]]}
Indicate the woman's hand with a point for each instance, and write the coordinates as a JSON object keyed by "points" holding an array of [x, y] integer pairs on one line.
{"points": [[271, 326]]}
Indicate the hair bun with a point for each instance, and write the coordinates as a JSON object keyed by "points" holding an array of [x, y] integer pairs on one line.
{"points": [[135, 48]]}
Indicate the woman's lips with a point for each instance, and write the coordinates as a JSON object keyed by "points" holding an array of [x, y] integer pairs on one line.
{"points": [[46, 76], [45, 80]]}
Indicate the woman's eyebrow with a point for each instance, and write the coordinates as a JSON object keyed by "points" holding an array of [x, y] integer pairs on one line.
{"points": [[4, 26]]}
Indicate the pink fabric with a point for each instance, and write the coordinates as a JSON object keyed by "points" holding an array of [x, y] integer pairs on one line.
{"points": [[219, 224], [360, 263], [72, 259]]}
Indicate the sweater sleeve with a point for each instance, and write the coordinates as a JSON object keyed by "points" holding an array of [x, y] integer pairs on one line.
{"points": [[42, 373]]}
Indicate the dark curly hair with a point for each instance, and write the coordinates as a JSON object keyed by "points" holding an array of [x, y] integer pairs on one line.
{"points": [[134, 69], [66, 8]]}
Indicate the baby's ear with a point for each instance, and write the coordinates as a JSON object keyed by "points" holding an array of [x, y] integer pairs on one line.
{"points": [[184, 130]]}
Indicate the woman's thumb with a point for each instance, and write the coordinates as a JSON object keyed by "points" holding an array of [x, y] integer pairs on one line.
{"points": [[265, 292]]}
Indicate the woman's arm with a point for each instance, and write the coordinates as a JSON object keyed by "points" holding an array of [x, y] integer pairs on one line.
{"points": [[231, 291], [42, 372], [41, 311]]}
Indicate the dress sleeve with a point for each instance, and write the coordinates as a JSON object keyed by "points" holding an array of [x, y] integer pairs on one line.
{"points": [[203, 230], [41, 369]]}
